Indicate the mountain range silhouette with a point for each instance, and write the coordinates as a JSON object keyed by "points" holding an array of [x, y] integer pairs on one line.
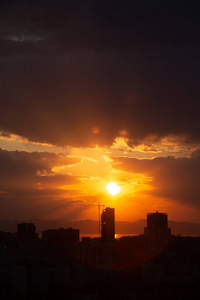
{"points": [[91, 226]]}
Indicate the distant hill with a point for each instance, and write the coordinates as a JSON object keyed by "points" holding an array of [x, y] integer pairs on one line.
{"points": [[92, 227], [184, 228]]}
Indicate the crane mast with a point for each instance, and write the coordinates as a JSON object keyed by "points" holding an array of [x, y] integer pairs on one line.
{"points": [[99, 213]]}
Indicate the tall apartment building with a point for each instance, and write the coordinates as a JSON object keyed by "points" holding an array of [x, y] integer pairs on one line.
{"points": [[108, 224], [157, 231]]}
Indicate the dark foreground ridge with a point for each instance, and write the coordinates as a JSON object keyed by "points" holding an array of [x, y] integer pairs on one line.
{"points": [[152, 265]]}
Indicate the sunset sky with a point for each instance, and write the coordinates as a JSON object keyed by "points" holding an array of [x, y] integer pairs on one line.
{"points": [[95, 91]]}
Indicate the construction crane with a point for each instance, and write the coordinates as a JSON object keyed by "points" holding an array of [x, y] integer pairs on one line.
{"points": [[99, 216]]}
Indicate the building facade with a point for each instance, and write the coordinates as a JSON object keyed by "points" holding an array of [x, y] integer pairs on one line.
{"points": [[157, 231], [61, 235], [108, 224]]}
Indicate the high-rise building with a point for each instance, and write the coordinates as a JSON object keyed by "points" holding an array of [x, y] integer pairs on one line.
{"points": [[157, 231], [108, 223]]}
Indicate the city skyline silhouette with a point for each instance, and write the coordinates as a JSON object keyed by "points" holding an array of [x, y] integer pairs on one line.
{"points": [[60, 264]]}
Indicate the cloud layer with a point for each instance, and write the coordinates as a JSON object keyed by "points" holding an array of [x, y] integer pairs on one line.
{"points": [[174, 179], [69, 67], [28, 187]]}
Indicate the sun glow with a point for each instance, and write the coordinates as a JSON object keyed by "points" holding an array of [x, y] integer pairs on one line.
{"points": [[113, 188]]}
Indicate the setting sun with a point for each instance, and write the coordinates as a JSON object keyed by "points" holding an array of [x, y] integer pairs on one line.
{"points": [[113, 188]]}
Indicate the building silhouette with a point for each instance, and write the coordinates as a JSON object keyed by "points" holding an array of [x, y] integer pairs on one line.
{"points": [[157, 231], [108, 224], [26, 231], [61, 235]]}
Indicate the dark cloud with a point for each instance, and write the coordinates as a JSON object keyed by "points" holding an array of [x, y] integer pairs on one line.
{"points": [[69, 66], [17, 207], [174, 179], [195, 153], [30, 189], [5, 135], [100, 24], [27, 180], [22, 163]]}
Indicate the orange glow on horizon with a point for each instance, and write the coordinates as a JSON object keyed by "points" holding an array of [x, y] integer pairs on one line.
{"points": [[75, 181]]}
